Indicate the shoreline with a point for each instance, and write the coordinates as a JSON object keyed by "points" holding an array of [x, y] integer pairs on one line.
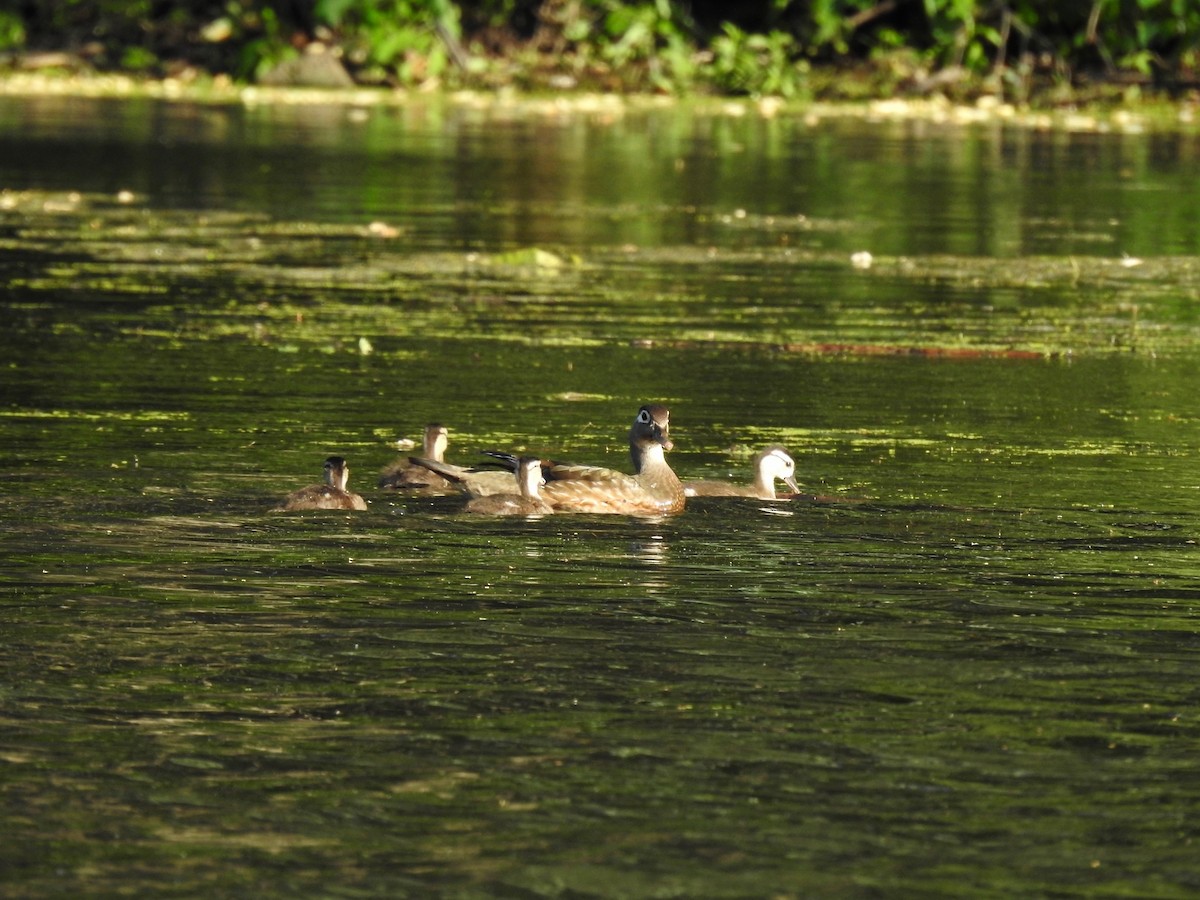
{"points": [[1143, 115]]}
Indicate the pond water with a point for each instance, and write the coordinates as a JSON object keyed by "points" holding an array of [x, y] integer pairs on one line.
{"points": [[968, 669]]}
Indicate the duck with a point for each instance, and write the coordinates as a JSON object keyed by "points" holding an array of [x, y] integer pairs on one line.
{"points": [[653, 490], [404, 475], [526, 502], [487, 480], [330, 495], [772, 463]]}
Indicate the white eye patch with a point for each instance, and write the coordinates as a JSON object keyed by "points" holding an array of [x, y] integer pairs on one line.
{"points": [[787, 461]]}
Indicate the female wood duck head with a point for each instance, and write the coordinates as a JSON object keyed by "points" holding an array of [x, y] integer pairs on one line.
{"points": [[650, 435]]}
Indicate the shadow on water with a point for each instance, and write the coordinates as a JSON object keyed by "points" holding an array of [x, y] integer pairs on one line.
{"points": [[968, 669]]}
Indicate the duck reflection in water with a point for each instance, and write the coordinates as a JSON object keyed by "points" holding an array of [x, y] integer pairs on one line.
{"points": [[330, 495], [654, 555]]}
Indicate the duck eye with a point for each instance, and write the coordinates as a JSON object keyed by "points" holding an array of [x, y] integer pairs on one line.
{"points": [[644, 417]]}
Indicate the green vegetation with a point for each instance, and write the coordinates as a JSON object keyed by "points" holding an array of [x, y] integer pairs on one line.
{"points": [[239, 279], [788, 48]]}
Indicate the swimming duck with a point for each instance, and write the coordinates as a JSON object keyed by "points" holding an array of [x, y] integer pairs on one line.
{"points": [[527, 502], [652, 490], [330, 495], [404, 475], [772, 463], [474, 481]]}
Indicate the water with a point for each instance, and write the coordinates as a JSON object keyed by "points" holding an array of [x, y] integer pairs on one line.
{"points": [[968, 672]]}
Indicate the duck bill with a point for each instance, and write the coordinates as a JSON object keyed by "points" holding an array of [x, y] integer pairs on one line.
{"points": [[791, 482]]}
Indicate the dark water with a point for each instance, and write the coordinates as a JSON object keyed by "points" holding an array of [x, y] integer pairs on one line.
{"points": [[971, 671]]}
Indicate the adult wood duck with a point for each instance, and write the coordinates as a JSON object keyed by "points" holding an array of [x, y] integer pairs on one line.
{"points": [[526, 502], [474, 481], [771, 464], [330, 495], [404, 475], [653, 489]]}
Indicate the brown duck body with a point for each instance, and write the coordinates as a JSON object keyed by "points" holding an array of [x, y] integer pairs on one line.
{"points": [[771, 464], [526, 502], [330, 495], [653, 489], [404, 474]]}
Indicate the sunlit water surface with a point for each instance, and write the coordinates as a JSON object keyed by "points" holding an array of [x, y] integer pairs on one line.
{"points": [[969, 668]]}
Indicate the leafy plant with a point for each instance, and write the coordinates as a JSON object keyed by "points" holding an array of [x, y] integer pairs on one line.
{"points": [[753, 47], [756, 64], [138, 59], [655, 38], [12, 31], [413, 40], [264, 40]]}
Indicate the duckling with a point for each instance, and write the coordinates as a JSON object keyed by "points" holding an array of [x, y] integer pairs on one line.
{"points": [[405, 475], [772, 463], [527, 502], [330, 495]]}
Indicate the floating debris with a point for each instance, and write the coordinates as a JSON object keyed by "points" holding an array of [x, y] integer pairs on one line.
{"points": [[383, 230]]}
